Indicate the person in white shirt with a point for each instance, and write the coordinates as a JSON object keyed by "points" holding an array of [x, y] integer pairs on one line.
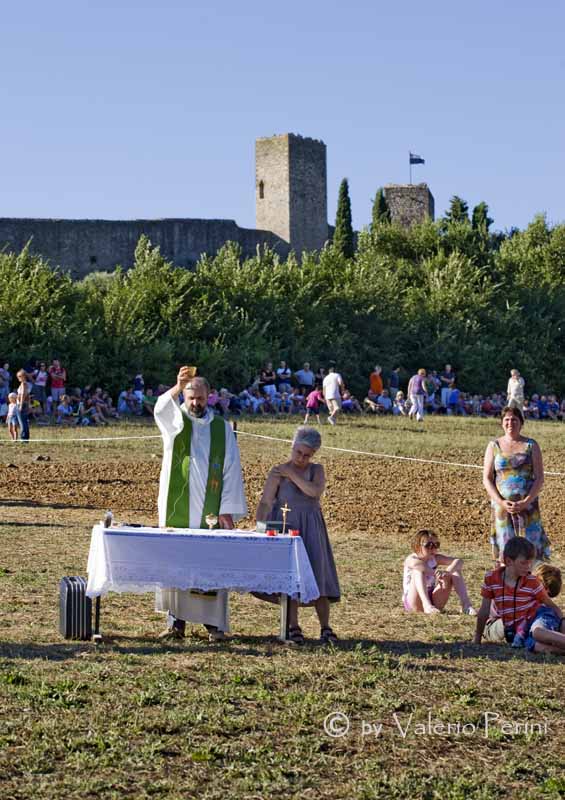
{"points": [[515, 390], [332, 388], [200, 476], [284, 374]]}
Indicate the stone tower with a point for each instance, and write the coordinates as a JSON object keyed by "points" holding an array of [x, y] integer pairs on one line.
{"points": [[409, 203], [291, 190]]}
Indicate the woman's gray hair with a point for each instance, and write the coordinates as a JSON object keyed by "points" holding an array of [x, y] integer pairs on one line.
{"points": [[307, 436]]}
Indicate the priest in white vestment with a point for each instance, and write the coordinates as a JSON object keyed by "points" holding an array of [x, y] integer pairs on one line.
{"points": [[200, 475]]}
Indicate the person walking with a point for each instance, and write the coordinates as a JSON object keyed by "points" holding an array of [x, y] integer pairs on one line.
{"points": [[332, 388]]}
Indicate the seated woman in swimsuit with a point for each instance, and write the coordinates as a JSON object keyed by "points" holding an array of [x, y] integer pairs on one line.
{"points": [[427, 588]]}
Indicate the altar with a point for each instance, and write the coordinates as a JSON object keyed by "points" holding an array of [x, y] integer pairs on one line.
{"points": [[144, 559]]}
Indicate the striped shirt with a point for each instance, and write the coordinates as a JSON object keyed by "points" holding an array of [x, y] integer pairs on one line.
{"points": [[513, 603]]}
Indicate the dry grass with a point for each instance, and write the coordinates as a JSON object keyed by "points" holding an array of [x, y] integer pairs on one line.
{"points": [[134, 718]]}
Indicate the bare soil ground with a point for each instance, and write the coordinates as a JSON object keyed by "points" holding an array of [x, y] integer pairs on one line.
{"points": [[135, 718]]}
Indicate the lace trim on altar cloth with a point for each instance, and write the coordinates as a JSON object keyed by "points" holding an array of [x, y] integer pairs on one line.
{"points": [[124, 580]]}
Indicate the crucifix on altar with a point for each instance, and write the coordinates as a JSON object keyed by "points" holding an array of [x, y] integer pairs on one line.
{"points": [[285, 509]]}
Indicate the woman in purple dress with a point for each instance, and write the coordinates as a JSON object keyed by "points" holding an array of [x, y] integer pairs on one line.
{"points": [[299, 484]]}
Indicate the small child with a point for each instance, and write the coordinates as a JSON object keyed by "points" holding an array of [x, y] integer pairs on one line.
{"points": [[399, 406], [13, 420], [313, 401], [547, 631], [515, 594], [428, 590]]}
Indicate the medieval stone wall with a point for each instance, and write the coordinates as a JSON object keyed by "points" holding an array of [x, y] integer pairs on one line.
{"points": [[83, 246]]}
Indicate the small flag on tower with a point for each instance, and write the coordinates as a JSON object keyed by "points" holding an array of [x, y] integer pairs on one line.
{"points": [[414, 159]]}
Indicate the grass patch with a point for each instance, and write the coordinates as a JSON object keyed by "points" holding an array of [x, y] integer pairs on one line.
{"points": [[134, 718]]}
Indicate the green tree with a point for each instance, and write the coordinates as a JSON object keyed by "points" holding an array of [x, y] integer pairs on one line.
{"points": [[458, 211], [480, 220], [381, 210], [343, 240]]}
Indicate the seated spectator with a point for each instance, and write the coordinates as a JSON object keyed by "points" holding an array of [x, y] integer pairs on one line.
{"points": [[487, 408], [65, 412], [399, 405], [149, 401], [384, 403], [552, 408], [350, 404], [543, 407], [223, 404], [110, 411], [213, 398], [534, 406], [297, 401], [370, 403], [235, 405], [284, 403], [93, 413], [466, 403], [127, 403]]}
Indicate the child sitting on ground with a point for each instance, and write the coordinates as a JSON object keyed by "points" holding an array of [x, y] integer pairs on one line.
{"points": [[547, 631], [514, 593], [427, 589]]}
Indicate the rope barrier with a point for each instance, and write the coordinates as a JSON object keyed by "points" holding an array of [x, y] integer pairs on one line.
{"points": [[370, 453], [386, 455], [82, 439]]}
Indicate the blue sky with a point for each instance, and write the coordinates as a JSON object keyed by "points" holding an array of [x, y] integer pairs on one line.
{"points": [[123, 109]]}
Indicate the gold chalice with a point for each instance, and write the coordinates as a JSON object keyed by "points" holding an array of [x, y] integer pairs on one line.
{"points": [[211, 520]]}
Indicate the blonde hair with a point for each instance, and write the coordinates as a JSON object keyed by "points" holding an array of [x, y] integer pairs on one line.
{"points": [[550, 577], [423, 535], [422, 372]]}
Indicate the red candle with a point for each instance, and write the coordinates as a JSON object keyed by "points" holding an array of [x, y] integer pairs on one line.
{"points": [[271, 532], [294, 532]]}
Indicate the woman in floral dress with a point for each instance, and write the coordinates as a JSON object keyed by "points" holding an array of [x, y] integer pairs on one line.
{"points": [[513, 478]]}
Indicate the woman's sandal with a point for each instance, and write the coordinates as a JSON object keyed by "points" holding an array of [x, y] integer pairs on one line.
{"points": [[295, 635], [327, 636]]}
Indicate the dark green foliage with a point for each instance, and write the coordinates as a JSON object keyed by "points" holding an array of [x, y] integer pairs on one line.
{"points": [[419, 297], [381, 211], [343, 240], [480, 220], [458, 211]]}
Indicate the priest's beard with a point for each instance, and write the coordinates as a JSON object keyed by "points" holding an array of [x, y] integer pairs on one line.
{"points": [[197, 411]]}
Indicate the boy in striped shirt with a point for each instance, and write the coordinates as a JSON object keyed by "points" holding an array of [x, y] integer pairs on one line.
{"points": [[513, 593]]}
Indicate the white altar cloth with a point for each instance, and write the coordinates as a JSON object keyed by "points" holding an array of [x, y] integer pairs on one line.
{"points": [[128, 559]]}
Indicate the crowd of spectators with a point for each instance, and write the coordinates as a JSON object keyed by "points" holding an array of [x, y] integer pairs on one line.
{"points": [[44, 397]]}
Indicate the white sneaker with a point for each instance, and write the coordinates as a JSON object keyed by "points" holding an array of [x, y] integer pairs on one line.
{"points": [[470, 611], [331, 420]]}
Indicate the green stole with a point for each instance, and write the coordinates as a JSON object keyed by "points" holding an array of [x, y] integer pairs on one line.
{"points": [[178, 497]]}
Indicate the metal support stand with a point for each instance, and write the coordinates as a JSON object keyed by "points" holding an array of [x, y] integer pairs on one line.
{"points": [[97, 636], [283, 633]]}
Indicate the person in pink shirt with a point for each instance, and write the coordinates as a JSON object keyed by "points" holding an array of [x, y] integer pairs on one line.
{"points": [[313, 401]]}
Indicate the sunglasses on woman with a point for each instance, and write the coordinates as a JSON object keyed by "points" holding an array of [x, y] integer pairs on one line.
{"points": [[429, 545]]}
